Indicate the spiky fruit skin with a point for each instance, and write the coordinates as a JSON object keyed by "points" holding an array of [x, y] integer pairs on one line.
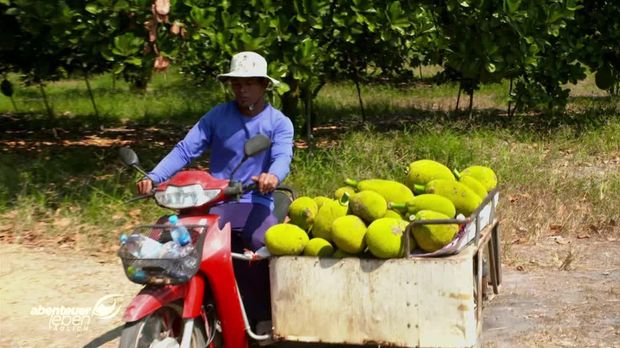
{"points": [[464, 199], [325, 217], [348, 233], [474, 185], [392, 214], [368, 205], [431, 238], [341, 191], [384, 238], [421, 172], [430, 201], [485, 175], [286, 239], [302, 212], [392, 191], [318, 247], [319, 200]]}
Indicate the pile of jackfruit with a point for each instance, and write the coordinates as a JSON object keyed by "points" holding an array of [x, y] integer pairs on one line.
{"points": [[369, 218]]}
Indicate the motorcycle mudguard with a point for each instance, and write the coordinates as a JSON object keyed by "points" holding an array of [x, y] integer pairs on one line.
{"points": [[150, 299]]}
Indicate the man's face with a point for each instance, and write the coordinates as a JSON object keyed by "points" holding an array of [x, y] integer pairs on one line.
{"points": [[248, 90]]}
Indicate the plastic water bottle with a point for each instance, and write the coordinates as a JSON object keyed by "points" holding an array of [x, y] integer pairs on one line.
{"points": [[149, 248], [140, 246], [179, 233], [129, 247], [170, 250]]}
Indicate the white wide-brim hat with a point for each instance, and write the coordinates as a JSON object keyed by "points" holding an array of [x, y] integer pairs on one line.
{"points": [[248, 64]]}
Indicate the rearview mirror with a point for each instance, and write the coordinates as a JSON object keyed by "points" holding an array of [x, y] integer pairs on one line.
{"points": [[256, 144], [253, 146], [128, 156]]}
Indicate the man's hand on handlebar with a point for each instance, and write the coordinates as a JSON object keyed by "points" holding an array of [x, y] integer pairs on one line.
{"points": [[144, 186], [266, 182]]}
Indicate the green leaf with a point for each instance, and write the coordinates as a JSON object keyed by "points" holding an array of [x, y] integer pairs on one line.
{"points": [[282, 88], [134, 61], [119, 68], [512, 5], [93, 8]]}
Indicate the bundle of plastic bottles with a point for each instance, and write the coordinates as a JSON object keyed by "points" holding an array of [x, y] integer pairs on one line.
{"points": [[143, 247], [175, 258]]}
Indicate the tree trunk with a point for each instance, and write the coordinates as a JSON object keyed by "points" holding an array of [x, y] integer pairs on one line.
{"points": [[359, 97], [308, 116], [92, 97], [471, 102], [290, 100], [50, 112], [14, 105], [458, 98], [510, 97]]}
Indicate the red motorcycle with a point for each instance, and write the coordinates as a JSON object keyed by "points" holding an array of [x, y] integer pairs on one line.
{"points": [[202, 305]]}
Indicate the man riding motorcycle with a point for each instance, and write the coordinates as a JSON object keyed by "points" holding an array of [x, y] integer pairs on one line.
{"points": [[223, 131]]}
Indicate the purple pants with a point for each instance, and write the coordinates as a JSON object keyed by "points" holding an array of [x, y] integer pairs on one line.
{"points": [[249, 223]]}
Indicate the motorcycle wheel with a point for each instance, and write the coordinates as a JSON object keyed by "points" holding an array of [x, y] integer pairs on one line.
{"points": [[161, 329]]}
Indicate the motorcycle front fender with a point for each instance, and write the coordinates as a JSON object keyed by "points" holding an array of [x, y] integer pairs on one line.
{"points": [[151, 298]]}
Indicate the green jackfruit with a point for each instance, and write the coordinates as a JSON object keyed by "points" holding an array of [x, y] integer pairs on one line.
{"points": [[318, 247], [384, 238], [286, 239], [464, 199], [368, 205], [390, 213], [474, 185], [421, 172], [485, 175], [302, 212], [341, 191], [391, 190], [431, 238], [427, 201], [319, 200], [329, 211], [348, 234]]}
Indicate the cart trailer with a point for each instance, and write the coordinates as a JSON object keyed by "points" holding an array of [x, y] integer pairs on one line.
{"points": [[415, 301]]}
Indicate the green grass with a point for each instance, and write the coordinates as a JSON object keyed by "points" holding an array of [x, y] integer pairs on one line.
{"points": [[169, 97], [551, 168]]}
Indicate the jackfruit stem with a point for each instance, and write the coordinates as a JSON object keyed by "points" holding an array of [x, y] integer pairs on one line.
{"points": [[397, 205], [456, 173], [344, 199], [418, 189], [351, 182]]}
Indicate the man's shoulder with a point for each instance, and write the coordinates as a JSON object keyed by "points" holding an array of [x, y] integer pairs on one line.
{"points": [[218, 111], [222, 108], [277, 114]]}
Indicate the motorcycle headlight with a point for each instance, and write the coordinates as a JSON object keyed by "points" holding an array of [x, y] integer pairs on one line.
{"points": [[180, 197]]}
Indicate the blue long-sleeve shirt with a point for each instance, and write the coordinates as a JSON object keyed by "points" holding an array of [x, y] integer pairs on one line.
{"points": [[224, 131]]}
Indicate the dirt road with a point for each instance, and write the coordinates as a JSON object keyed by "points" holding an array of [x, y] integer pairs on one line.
{"points": [[562, 294]]}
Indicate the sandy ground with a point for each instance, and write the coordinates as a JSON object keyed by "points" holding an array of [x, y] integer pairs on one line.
{"points": [[562, 295]]}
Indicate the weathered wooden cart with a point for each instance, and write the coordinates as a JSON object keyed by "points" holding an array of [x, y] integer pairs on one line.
{"points": [[415, 301]]}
